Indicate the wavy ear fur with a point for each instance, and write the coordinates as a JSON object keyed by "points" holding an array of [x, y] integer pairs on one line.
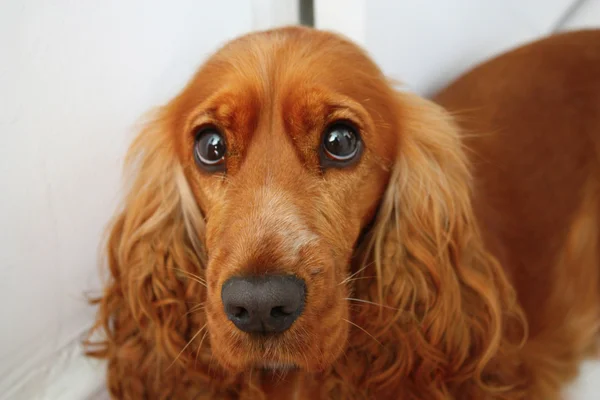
{"points": [[448, 320], [152, 307], [448, 316]]}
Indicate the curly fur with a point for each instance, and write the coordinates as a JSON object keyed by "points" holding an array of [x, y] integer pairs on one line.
{"points": [[431, 312]]}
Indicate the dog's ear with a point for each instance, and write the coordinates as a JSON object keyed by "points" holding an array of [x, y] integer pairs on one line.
{"points": [[443, 296], [156, 262]]}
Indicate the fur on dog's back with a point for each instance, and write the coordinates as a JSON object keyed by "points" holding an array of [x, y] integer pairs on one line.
{"points": [[531, 120]]}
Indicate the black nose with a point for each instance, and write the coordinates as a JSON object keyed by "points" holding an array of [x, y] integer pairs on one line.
{"points": [[263, 304]]}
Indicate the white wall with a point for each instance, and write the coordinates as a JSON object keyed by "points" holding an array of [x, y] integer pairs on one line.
{"points": [[75, 76], [425, 44]]}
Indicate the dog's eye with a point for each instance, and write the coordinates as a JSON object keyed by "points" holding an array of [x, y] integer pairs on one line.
{"points": [[341, 143], [210, 149]]}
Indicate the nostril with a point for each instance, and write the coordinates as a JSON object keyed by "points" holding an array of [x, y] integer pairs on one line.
{"points": [[279, 312], [240, 312]]}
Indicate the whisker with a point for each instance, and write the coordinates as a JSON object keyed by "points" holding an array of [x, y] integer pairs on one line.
{"points": [[186, 346], [199, 347], [211, 364], [360, 277], [364, 330], [373, 303], [306, 358], [194, 309], [280, 375], [192, 276], [189, 273], [250, 376], [357, 272]]}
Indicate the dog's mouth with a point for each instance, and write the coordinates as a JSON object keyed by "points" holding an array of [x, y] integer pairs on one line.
{"points": [[277, 367], [285, 352], [274, 352], [278, 322]]}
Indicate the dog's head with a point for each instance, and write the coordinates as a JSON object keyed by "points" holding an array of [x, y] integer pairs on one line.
{"points": [[287, 138], [290, 179]]}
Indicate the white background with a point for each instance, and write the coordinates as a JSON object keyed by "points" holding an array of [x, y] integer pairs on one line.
{"points": [[77, 75]]}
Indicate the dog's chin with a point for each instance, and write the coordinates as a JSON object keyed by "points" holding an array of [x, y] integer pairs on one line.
{"points": [[262, 363], [312, 344], [244, 355], [277, 367]]}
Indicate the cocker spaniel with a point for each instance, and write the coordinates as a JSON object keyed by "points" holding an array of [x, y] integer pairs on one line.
{"points": [[296, 228]]}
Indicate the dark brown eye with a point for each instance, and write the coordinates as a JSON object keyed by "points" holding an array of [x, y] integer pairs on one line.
{"points": [[341, 143], [210, 149]]}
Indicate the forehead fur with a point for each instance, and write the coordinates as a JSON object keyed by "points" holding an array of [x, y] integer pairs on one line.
{"points": [[262, 70]]}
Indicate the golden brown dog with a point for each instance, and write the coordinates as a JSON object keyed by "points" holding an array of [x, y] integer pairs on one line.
{"points": [[296, 228]]}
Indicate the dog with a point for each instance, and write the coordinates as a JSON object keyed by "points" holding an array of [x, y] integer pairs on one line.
{"points": [[296, 227]]}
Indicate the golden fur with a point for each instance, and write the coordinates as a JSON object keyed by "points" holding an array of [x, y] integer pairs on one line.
{"points": [[410, 282]]}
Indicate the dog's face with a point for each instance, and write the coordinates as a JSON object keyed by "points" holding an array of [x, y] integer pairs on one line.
{"points": [[287, 138]]}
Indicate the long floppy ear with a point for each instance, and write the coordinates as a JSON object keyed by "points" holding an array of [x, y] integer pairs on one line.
{"points": [[445, 301], [150, 309]]}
